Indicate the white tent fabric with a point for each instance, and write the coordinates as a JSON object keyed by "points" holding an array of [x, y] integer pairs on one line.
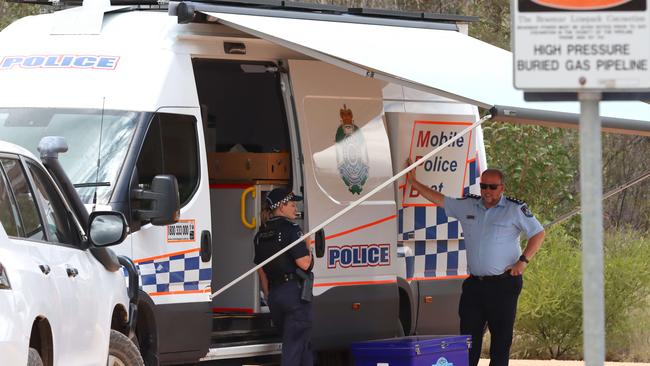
{"points": [[446, 63]]}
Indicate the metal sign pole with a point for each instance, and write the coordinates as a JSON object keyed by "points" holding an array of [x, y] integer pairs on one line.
{"points": [[591, 192]]}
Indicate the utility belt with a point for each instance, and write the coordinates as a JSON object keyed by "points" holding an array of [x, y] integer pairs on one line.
{"points": [[287, 277], [501, 276], [305, 282]]}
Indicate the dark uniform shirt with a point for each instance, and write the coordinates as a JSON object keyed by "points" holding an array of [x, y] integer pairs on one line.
{"points": [[273, 236]]}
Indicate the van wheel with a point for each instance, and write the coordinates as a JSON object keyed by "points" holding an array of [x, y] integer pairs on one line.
{"points": [[33, 358], [122, 351]]}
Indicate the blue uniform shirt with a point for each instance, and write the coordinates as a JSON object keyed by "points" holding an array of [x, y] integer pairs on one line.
{"points": [[492, 234]]}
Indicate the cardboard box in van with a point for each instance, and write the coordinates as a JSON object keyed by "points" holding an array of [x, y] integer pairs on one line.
{"points": [[237, 166]]}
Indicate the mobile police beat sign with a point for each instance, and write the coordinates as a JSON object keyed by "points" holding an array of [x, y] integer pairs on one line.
{"points": [[581, 44], [444, 172]]}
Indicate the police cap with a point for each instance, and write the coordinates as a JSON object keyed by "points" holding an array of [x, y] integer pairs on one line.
{"points": [[279, 196]]}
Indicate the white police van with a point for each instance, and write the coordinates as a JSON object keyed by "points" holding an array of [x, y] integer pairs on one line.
{"points": [[62, 292], [233, 99]]}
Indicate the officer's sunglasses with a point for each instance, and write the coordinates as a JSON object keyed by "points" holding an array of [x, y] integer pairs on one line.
{"points": [[490, 186]]}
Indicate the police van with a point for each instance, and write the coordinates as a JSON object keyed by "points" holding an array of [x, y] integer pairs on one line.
{"points": [[214, 104]]}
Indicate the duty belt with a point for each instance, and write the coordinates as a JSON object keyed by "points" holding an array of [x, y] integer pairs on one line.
{"points": [[283, 278], [505, 274]]}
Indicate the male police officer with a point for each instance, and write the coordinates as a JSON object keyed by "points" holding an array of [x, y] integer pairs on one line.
{"points": [[282, 278], [491, 226]]}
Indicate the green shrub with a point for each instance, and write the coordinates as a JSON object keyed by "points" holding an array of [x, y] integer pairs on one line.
{"points": [[627, 290], [550, 306], [549, 319]]}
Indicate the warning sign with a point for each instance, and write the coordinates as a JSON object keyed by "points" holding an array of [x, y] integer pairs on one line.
{"points": [[581, 44], [444, 172], [181, 232]]}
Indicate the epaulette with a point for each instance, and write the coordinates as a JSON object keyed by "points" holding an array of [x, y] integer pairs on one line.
{"points": [[474, 196], [516, 200]]}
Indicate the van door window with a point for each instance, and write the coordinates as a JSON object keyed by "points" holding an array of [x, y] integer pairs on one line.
{"points": [[171, 148], [57, 221], [27, 208], [8, 210]]}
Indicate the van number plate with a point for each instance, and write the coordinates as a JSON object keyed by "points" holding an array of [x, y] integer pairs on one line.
{"points": [[181, 232]]}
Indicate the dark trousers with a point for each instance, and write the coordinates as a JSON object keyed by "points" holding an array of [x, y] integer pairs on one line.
{"points": [[293, 318], [490, 302]]}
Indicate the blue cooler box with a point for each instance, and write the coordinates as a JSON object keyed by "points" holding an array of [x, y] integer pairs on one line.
{"points": [[414, 351]]}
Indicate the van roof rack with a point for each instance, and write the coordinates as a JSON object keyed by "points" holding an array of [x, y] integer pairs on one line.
{"points": [[287, 5]]}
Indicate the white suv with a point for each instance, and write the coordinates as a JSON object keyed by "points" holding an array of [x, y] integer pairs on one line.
{"points": [[63, 298]]}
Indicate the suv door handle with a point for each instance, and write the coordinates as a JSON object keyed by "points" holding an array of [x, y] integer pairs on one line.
{"points": [[72, 272], [44, 268]]}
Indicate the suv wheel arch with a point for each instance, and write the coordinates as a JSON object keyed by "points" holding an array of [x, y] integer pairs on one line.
{"points": [[40, 339]]}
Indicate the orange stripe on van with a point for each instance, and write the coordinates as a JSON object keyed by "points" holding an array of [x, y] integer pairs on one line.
{"points": [[182, 292], [354, 283], [581, 4], [361, 227], [328, 237], [437, 278], [358, 228], [166, 255]]}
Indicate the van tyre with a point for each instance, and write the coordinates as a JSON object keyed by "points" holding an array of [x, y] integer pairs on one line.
{"points": [[33, 358], [122, 351]]}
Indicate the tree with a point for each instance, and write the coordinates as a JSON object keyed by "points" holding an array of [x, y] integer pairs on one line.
{"points": [[9, 12]]}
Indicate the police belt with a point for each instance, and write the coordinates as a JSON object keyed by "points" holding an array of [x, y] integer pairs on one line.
{"points": [[287, 277], [503, 275]]}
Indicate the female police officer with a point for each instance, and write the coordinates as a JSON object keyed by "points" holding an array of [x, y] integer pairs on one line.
{"points": [[281, 279]]}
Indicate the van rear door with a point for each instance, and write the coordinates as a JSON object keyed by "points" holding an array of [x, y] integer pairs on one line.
{"points": [[346, 154]]}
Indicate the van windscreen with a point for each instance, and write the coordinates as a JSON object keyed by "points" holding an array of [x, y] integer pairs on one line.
{"points": [[98, 142]]}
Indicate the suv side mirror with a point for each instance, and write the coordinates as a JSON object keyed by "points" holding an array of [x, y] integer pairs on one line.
{"points": [[165, 202], [320, 243], [106, 228]]}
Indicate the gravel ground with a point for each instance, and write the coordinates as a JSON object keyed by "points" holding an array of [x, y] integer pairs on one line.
{"points": [[486, 362]]}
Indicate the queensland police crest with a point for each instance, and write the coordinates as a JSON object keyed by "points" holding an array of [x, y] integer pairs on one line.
{"points": [[351, 153]]}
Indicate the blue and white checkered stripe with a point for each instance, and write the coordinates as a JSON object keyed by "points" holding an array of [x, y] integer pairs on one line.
{"points": [[472, 179], [438, 258], [431, 223], [183, 272], [427, 223], [430, 242]]}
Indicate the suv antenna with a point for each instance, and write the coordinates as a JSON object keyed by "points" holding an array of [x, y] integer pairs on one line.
{"points": [[99, 152]]}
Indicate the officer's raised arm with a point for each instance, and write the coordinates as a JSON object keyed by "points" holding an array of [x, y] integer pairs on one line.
{"points": [[428, 193]]}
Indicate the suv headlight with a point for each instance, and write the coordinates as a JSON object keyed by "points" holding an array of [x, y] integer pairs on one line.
{"points": [[4, 279]]}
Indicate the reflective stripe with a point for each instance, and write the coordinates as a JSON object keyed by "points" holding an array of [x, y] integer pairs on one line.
{"points": [[354, 283]]}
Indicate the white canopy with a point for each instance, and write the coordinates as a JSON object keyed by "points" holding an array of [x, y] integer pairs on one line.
{"points": [[442, 62]]}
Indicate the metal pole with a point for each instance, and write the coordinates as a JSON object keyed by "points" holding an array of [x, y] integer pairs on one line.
{"points": [[591, 192]]}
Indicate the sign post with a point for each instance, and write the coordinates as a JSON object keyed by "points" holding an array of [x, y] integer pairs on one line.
{"points": [[588, 48], [591, 192]]}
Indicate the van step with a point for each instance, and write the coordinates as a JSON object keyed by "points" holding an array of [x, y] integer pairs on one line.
{"points": [[252, 350], [234, 328]]}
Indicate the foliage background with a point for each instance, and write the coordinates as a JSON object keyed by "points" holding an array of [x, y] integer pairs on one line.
{"points": [[542, 168]]}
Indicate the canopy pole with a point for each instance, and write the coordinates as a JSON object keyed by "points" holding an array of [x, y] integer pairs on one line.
{"points": [[591, 193], [354, 204]]}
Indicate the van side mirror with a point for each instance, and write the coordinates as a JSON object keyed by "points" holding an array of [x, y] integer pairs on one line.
{"points": [[320, 243], [164, 208], [106, 228]]}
